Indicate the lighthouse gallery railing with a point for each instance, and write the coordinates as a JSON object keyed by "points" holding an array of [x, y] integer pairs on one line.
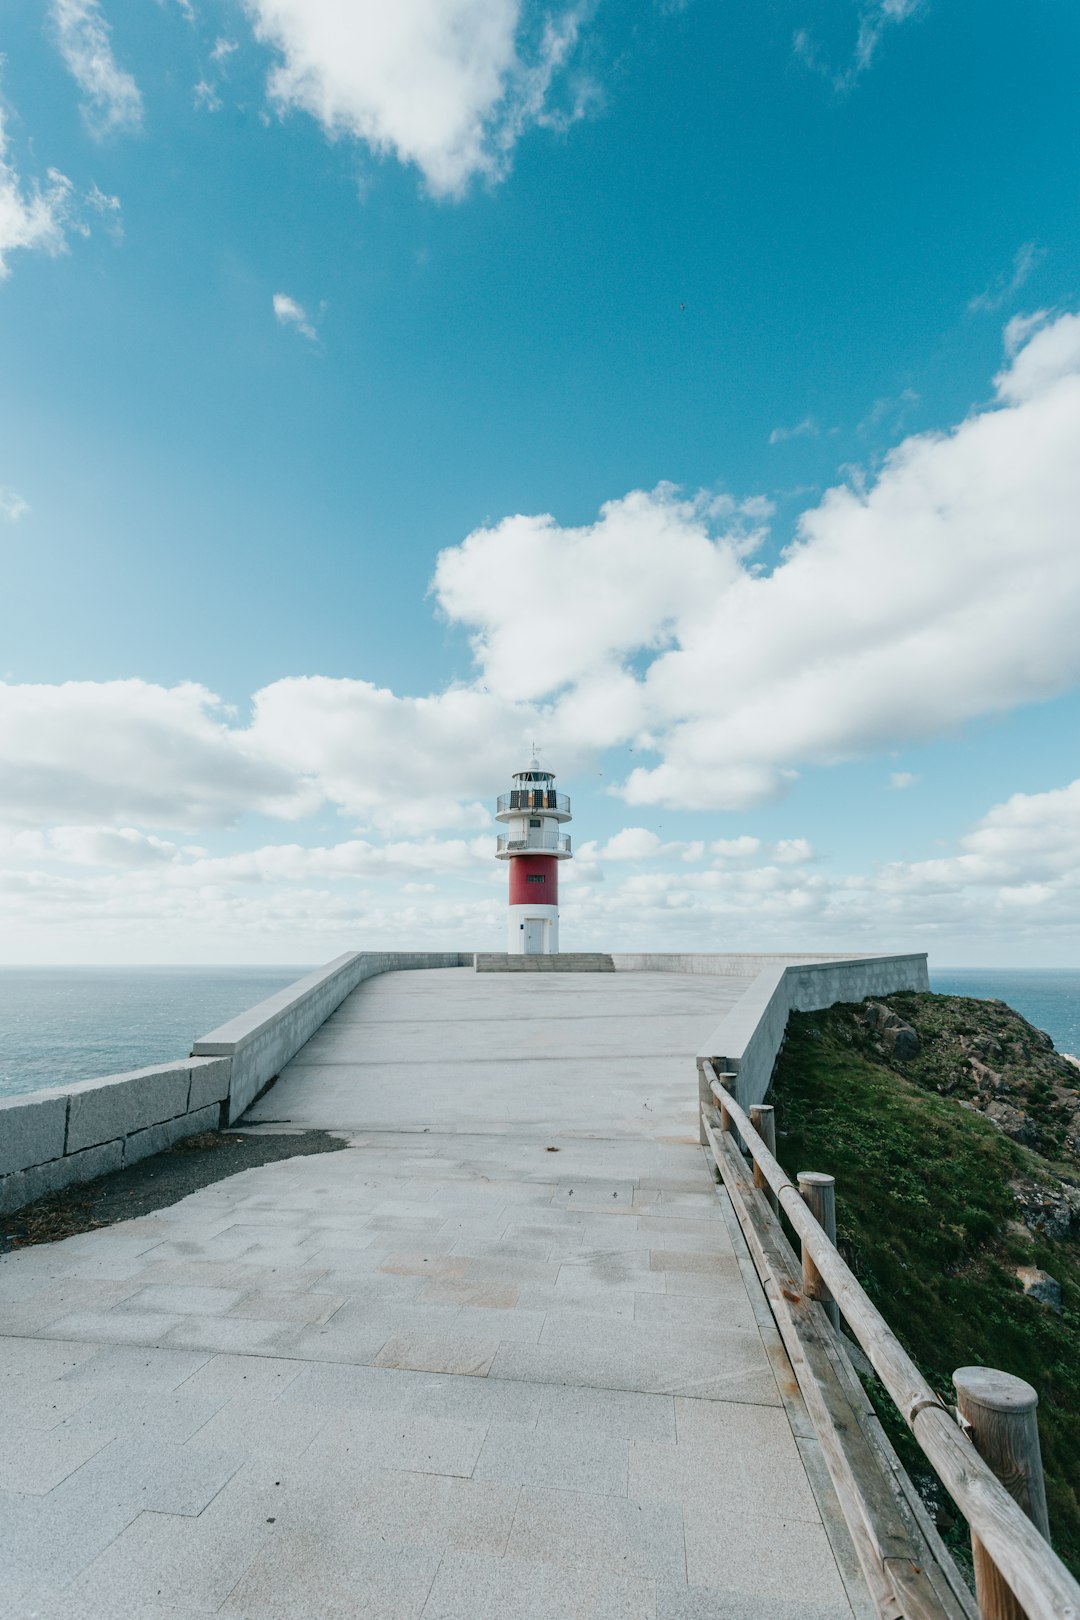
{"points": [[550, 843], [533, 799]]}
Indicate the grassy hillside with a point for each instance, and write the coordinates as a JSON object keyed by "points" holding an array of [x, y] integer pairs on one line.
{"points": [[927, 1214]]}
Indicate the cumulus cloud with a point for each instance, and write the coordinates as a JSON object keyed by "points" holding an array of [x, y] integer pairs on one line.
{"points": [[596, 594], [947, 587], [736, 848], [113, 103], [289, 313], [117, 752], [446, 85], [1013, 882], [77, 753], [1028, 844], [641, 844], [903, 779], [32, 217], [12, 505], [107, 846], [1049, 356], [1021, 327], [398, 763]]}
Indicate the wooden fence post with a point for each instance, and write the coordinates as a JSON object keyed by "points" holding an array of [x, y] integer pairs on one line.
{"points": [[819, 1194], [1005, 1432], [725, 1118], [763, 1119]]}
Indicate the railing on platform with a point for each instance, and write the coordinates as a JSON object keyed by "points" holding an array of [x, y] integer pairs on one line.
{"points": [[533, 799], [985, 1451], [549, 843]]}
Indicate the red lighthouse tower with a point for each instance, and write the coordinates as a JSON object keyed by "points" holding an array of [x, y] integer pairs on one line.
{"points": [[533, 814]]}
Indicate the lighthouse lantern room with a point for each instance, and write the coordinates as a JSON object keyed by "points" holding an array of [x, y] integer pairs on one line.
{"points": [[534, 844]]}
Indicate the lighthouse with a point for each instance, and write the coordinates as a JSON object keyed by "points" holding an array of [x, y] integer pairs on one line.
{"points": [[533, 814]]}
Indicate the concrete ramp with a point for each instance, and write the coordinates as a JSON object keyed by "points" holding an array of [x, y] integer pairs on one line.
{"points": [[503, 1357]]}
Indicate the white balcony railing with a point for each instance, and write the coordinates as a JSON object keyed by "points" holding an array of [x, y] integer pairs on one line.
{"points": [[543, 843]]}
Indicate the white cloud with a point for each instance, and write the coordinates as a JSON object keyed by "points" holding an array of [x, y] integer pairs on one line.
{"points": [[113, 102], [447, 85], [205, 95], [1006, 287], [1012, 884], [12, 505], [595, 594], [641, 844], [793, 851], [1051, 355], [1032, 839], [729, 849], [903, 779], [806, 429], [1021, 327], [288, 311], [31, 217], [947, 588], [1013, 888], [399, 763], [108, 846], [874, 20], [119, 752], [77, 753]]}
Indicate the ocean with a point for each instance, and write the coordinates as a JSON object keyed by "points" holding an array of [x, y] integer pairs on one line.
{"points": [[58, 1025]]}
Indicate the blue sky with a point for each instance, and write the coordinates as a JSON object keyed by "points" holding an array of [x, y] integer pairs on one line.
{"points": [[330, 334]]}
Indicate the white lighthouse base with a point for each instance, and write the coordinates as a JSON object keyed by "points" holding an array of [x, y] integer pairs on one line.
{"points": [[533, 931]]}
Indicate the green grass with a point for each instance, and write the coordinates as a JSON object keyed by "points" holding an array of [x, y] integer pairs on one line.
{"points": [[923, 1218]]}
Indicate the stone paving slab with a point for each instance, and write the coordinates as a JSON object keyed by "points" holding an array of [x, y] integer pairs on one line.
{"points": [[446, 1374]]}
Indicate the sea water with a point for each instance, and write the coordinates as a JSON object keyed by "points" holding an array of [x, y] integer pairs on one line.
{"points": [[58, 1025]]}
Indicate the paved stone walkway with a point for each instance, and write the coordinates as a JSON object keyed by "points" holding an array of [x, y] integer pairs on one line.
{"points": [[447, 1373]]}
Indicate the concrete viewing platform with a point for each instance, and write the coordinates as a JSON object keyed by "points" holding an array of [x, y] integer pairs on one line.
{"points": [[504, 1356]]}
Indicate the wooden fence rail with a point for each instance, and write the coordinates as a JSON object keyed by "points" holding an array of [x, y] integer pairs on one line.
{"points": [[1005, 1537]]}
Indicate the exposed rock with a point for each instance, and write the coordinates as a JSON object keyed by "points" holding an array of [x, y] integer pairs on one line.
{"points": [[985, 1078], [984, 1053], [903, 1042], [1053, 1211], [898, 1038], [1013, 1121], [1040, 1286]]}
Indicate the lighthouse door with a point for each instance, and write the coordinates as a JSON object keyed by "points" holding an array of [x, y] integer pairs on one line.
{"points": [[534, 936]]}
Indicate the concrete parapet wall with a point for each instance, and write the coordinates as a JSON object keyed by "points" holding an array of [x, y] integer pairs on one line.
{"points": [[717, 963], [552, 962], [747, 1042], [53, 1139], [261, 1041]]}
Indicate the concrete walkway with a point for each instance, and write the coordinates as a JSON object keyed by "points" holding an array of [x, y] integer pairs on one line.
{"points": [[448, 1373]]}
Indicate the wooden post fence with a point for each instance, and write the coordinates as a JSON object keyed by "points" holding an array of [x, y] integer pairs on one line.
{"points": [[1004, 1429], [819, 1195], [996, 1482]]}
